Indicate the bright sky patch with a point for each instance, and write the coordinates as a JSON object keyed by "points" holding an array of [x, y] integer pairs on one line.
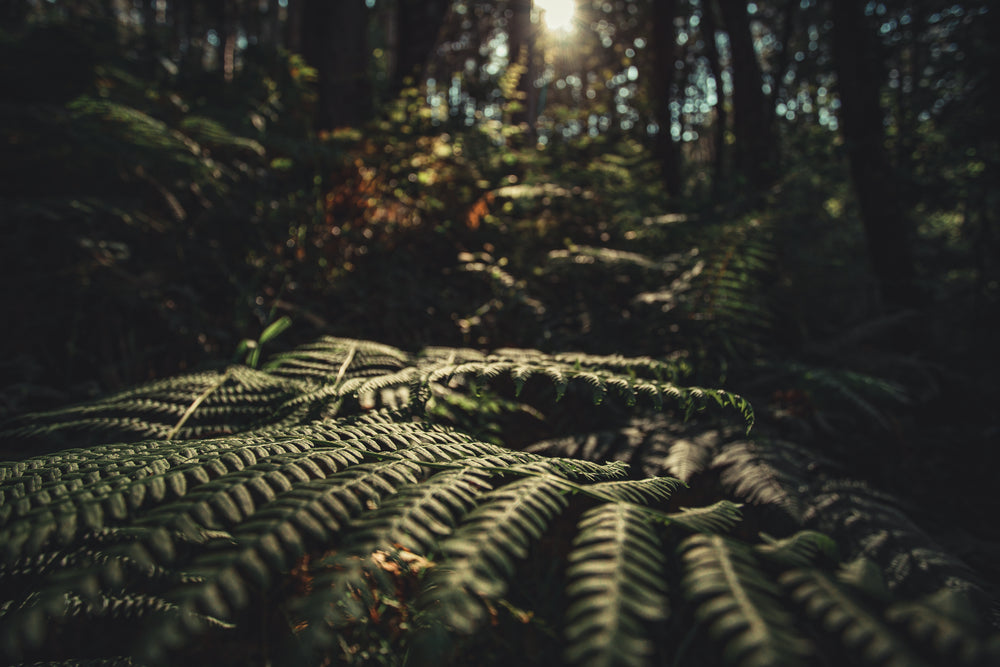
{"points": [[557, 14]]}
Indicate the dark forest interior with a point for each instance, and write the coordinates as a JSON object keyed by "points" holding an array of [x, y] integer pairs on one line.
{"points": [[404, 332]]}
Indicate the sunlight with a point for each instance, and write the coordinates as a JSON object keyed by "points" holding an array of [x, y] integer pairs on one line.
{"points": [[557, 14]]}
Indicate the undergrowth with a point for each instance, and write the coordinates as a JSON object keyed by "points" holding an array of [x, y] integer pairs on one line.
{"points": [[328, 507]]}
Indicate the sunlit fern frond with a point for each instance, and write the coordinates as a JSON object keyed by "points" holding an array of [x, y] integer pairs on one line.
{"points": [[688, 457], [718, 517], [740, 603], [313, 382], [616, 585], [770, 472], [635, 381], [612, 260], [198, 405], [647, 491]]}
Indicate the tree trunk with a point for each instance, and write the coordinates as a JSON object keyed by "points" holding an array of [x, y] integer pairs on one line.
{"points": [[418, 26], [887, 229], [293, 26], [228, 35], [709, 29], [665, 54], [752, 116], [334, 42], [149, 37]]}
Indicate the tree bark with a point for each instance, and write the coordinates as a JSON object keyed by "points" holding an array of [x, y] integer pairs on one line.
{"points": [[709, 29], [665, 53], [334, 42], [755, 147], [418, 26], [887, 230]]}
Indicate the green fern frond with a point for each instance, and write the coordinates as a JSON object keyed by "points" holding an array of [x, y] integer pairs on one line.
{"points": [[947, 623], [865, 577], [716, 518], [740, 603], [641, 492], [616, 585], [767, 472], [798, 550], [687, 458], [418, 516], [845, 616], [479, 558]]}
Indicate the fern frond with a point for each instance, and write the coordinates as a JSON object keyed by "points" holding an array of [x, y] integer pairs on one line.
{"points": [[418, 516], [798, 550], [767, 472], [844, 615], [479, 558], [740, 603], [687, 458], [947, 623], [718, 517], [198, 405], [616, 587], [641, 492]]}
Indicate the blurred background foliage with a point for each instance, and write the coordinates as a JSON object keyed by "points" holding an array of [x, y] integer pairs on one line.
{"points": [[177, 176]]}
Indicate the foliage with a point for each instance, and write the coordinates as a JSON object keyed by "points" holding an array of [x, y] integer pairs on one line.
{"points": [[422, 500], [314, 508]]}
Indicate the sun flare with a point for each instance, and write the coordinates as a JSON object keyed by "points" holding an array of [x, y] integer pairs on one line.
{"points": [[557, 14]]}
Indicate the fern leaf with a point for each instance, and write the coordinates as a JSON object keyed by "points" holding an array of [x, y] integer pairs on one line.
{"points": [[798, 550], [641, 492], [948, 624], [418, 516], [479, 558], [740, 603], [843, 615], [687, 458], [616, 587], [718, 517]]}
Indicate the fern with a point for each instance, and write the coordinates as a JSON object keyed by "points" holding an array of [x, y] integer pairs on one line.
{"points": [[841, 613], [480, 557], [329, 498], [616, 584], [740, 603], [947, 622]]}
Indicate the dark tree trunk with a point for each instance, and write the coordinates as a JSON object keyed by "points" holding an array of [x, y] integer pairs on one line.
{"points": [[753, 128], [709, 30], [887, 229], [270, 29], [334, 41], [228, 34], [14, 13], [293, 26], [149, 37], [665, 54], [418, 26]]}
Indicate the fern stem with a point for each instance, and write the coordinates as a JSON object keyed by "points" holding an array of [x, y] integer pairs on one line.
{"points": [[195, 405], [344, 366]]}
